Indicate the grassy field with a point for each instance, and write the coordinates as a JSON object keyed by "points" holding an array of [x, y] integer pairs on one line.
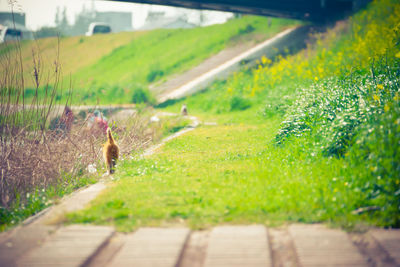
{"points": [[109, 69], [162, 53], [74, 52], [313, 137], [230, 173]]}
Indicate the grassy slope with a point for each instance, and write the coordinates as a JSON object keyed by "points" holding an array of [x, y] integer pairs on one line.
{"points": [[78, 53], [110, 67], [74, 52], [230, 173], [165, 52], [236, 172]]}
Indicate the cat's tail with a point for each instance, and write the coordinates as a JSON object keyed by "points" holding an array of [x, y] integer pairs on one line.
{"points": [[109, 136]]}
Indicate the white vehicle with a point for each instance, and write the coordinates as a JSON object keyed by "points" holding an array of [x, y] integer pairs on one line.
{"points": [[12, 34], [7, 34], [98, 27]]}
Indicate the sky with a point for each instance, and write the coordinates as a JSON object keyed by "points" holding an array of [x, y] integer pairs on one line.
{"points": [[42, 12]]}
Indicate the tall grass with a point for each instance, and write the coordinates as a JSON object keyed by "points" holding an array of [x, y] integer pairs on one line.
{"points": [[348, 104], [43, 154]]}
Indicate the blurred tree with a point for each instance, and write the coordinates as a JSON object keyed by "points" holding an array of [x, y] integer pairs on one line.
{"points": [[57, 18], [83, 20], [64, 21], [61, 22], [46, 31]]}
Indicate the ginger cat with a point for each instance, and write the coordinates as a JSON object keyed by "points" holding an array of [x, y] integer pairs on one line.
{"points": [[110, 152]]}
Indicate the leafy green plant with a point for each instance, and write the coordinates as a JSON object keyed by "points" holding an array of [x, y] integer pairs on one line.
{"points": [[141, 95], [239, 103], [155, 73]]}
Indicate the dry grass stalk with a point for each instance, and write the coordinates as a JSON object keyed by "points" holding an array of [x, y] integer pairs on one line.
{"points": [[32, 156]]}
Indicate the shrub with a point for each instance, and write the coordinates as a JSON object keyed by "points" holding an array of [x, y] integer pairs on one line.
{"points": [[155, 73], [248, 29], [333, 109], [141, 95], [239, 103], [376, 156]]}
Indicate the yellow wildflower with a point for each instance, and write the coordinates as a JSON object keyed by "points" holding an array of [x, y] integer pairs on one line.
{"points": [[316, 78], [380, 86], [376, 97], [387, 107], [265, 60]]}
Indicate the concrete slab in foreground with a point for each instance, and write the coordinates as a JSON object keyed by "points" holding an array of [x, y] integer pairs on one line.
{"points": [[71, 246], [317, 245], [238, 246], [390, 242], [152, 247]]}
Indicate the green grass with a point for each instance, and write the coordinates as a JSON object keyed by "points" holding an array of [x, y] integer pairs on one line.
{"points": [[161, 53], [109, 69], [30, 201], [298, 140], [229, 173]]}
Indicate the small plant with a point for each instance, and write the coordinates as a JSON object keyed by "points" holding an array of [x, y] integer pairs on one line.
{"points": [[248, 29], [171, 125], [155, 73], [239, 103], [141, 95]]}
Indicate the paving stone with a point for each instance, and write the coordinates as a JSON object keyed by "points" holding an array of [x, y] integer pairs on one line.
{"points": [[70, 246], [238, 246], [106, 254], [22, 240], [390, 242], [316, 245], [152, 247], [195, 249]]}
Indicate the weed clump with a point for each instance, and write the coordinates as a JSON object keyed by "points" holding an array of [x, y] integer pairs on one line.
{"points": [[239, 103], [155, 73], [142, 96]]}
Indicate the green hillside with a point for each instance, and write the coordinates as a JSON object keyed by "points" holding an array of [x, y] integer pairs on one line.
{"points": [[109, 68], [161, 53], [312, 137], [103, 69], [73, 52]]}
